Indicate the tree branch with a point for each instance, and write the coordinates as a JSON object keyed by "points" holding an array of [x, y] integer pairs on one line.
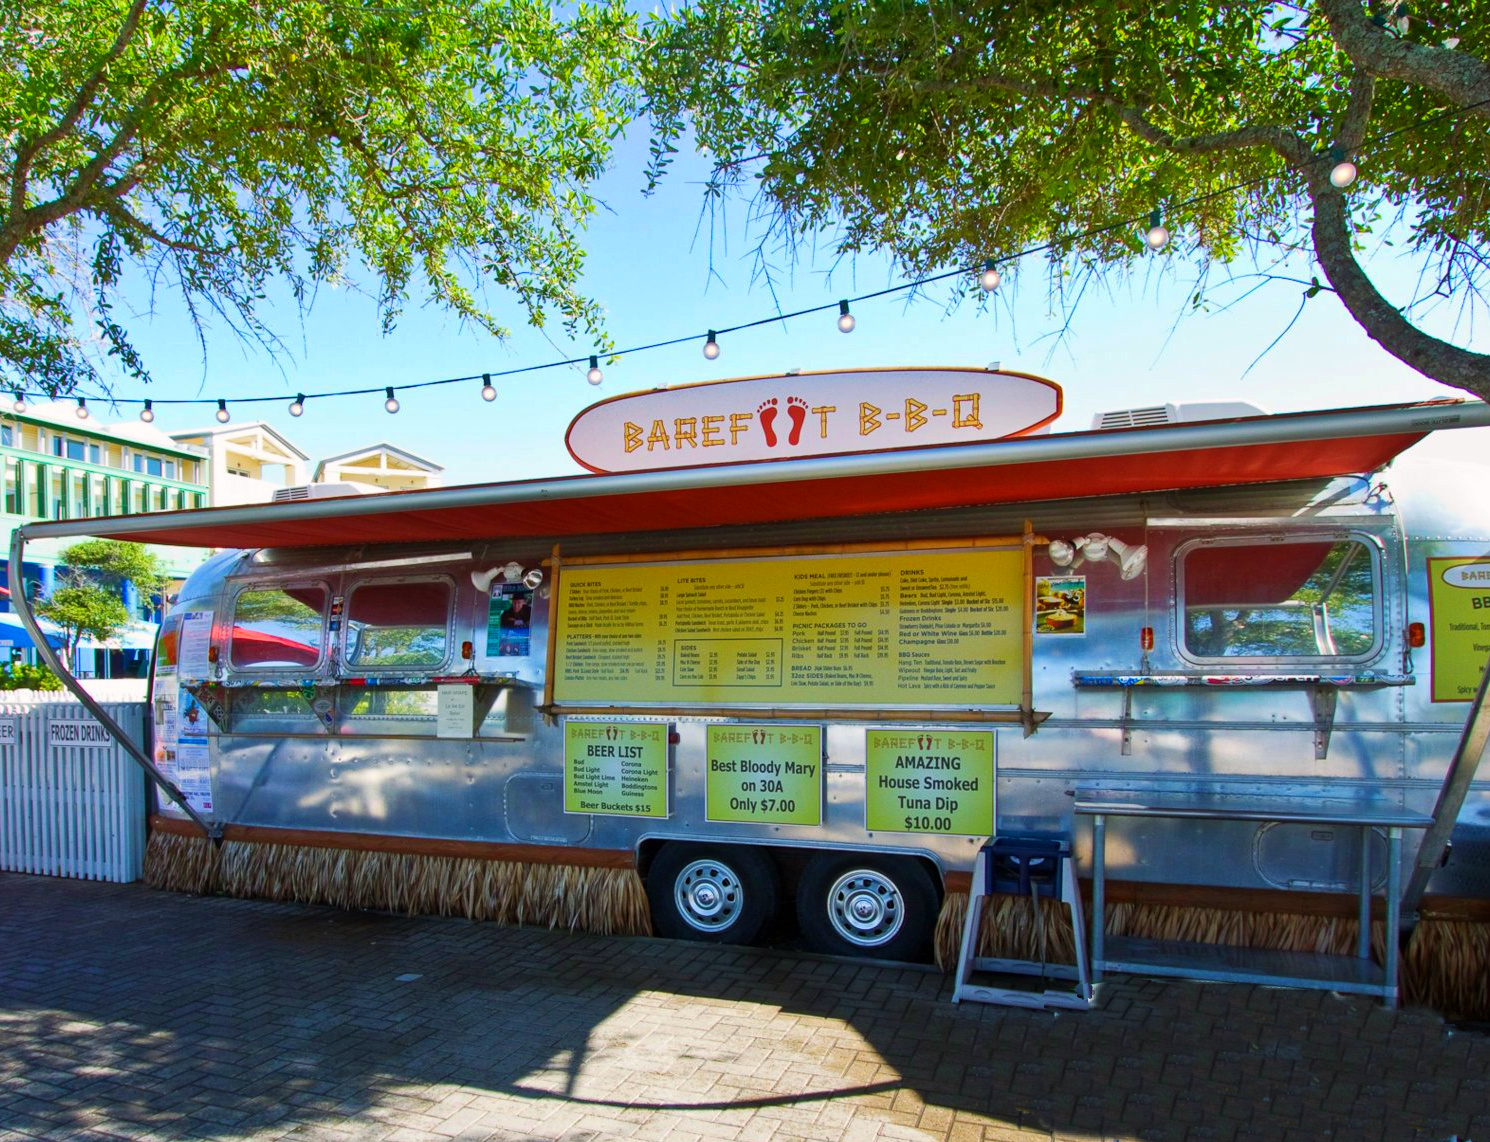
{"points": [[1383, 322], [28, 151], [1458, 76]]}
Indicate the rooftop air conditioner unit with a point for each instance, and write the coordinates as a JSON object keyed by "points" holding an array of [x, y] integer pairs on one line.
{"points": [[1187, 413], [316, 492]]}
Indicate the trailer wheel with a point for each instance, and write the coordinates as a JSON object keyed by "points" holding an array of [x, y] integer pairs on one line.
{"points": [[719, 894], [855, 904]]}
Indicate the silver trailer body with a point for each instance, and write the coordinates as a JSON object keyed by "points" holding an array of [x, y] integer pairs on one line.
{"points": [[375, 771], [1267, 646]]}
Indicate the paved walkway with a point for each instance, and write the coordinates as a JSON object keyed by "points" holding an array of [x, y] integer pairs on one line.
{"points": [[130, 1013]]}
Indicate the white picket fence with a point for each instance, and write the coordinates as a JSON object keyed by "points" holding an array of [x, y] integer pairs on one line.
{"points": [[72, 802]]}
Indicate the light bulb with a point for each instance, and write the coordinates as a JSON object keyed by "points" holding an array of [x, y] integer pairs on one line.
{"points": [[488, 390], [147, 414], [846, 321], [223, 416], [532, 579], [391, 404], [1158, 233], [990, 277], [1342, 174], [711, 346], [297, 406], [594, 376], [20, 405], [82, 409]]}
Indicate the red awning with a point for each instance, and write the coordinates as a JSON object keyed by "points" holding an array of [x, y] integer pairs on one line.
{"points": [[1059, 466]]}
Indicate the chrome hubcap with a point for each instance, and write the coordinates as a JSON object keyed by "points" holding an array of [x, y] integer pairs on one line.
{"points": [[865, 908], [708, 895]]}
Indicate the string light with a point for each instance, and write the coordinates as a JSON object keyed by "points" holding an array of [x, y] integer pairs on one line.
{"points": [[594, 376], [20, 405], [391, 404], [82, 408], [1158, 234], [846, 320], [1343, 173], [223, 416], [147, 414]]}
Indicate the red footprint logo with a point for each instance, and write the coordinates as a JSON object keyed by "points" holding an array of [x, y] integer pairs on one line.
{"points": [[767, 415], [796, 412]]}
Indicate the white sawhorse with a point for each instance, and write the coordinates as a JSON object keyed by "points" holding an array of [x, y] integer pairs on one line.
{"points": [[1035, 867]]}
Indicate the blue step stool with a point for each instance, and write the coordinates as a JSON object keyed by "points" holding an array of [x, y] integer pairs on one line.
{"points": [[1037, 867]]}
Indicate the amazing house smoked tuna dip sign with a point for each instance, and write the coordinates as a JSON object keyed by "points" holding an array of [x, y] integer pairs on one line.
{"points": [[809, 414]]}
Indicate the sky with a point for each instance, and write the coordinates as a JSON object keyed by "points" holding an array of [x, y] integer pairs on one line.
{"points": [[663, 269]]}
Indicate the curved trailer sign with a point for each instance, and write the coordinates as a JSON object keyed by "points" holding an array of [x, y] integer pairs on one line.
{"points": [[756, 419]]}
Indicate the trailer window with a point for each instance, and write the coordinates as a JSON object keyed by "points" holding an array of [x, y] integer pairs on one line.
{"points": [[1307, 599], [398, 624], [277, 627]]}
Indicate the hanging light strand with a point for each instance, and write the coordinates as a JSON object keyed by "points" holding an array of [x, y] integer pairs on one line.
{"points": [[984, 272]]}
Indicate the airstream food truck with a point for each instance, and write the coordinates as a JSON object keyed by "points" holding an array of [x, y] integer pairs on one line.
{"points": [[800, 645]]}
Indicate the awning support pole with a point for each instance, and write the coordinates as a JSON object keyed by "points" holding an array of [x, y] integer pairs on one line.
{"points": [[44, 648], [1451, 799]]}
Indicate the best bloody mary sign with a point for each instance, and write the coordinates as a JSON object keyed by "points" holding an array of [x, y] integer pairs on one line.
{"points": [[765, 775], [1459, 597], [808, 414]]}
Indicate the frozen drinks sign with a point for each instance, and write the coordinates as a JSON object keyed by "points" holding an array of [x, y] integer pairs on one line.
{"points": [[809, 414]]}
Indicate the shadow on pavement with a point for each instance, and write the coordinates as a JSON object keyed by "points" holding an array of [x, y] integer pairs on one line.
{"points": [[131, 1013]]}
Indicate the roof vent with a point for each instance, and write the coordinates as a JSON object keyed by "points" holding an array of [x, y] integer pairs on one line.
{"points": [[316, 492], [1187, 413]]}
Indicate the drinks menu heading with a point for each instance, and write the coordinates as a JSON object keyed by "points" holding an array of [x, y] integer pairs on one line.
{"points": [[907, 629]]}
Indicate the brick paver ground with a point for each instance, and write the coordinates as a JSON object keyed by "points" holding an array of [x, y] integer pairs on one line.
{"points": [[130, 1013]]}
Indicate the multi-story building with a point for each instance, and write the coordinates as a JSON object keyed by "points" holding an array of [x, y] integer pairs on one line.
{"points": [[246, 463], [380, 468], [57, 465]]}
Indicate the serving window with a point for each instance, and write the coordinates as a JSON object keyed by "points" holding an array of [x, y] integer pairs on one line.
{"points": [[279, 627], [1292, 599], [399, 624]]}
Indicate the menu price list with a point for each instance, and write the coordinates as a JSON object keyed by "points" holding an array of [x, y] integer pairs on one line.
{"points": [[913, 627]]}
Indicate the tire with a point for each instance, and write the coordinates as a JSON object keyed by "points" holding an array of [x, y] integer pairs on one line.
{"points": [[716, 894], [858, 904]]}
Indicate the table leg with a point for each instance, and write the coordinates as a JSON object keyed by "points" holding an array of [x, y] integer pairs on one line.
{"points": [[1099, 893], [1363, 942], [1394, 912]]}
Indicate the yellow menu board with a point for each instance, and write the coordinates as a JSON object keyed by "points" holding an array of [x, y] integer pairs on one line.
{"points": [[764, 775], [929, 781], [1459, 603], [616, 768], [906, 629]]}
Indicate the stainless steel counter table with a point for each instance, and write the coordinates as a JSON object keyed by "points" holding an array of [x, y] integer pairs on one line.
{"points": [[1254, 965]]}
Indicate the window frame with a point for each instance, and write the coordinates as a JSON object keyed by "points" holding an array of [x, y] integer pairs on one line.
{"points": [[1375, 550], [344, 642], [282, 585]]}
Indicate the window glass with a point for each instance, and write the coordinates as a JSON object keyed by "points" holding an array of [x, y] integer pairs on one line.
{"points": [[277, 628], [398, 624], [385, 702], [263, 703], [1314, 599]]}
